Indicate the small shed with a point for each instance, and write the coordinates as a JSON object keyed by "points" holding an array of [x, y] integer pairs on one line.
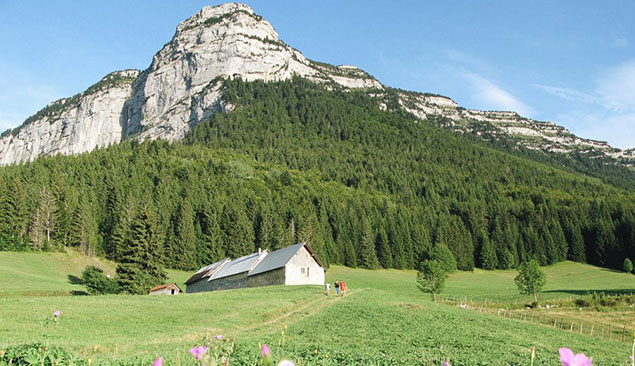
{"points": [[167, 289]]}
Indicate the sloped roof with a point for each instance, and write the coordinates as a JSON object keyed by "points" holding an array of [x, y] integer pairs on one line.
{"points": [[161, 287], [239, 265], [280, 258], [206, 271]]}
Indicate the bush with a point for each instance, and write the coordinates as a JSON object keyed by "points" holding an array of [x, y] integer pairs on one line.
{"points": [[10, 244], [38, 354], [97, 283], [628, 265]]}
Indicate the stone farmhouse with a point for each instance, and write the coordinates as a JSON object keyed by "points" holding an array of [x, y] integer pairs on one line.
{"points": [[293, 265]]}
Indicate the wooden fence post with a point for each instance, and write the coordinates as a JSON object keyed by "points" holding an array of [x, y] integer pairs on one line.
{"points": [[624, 333], [591, 330], [580, 326], [571, 328]]}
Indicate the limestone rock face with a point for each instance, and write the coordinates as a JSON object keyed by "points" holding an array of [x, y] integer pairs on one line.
{"points": [[182, 87], [179, 89], [74, 125], [536, 135]]}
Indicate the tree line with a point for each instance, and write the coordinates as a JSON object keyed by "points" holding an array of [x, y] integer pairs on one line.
{"points": [[295, 162]]}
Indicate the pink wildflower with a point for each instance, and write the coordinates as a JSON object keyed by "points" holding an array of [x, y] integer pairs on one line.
{"points": [[57, 313], [286, 363], [265, 351], [198, 352], [158, 362], [569, 359], [220, 336], [445, 363]]}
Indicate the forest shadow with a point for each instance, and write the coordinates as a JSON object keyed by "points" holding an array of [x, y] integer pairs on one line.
{"points": [[590, 292], [75, 280]]}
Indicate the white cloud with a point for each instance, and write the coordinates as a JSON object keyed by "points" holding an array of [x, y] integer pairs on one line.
{"points": [[614, 90], [571, 95], [491, 96], [617, 86], [618, 130]]}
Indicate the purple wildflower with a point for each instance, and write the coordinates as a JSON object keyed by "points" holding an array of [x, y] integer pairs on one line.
{"points": [[57, 313], [286, 363], [158, 362], [198, 352], [569, 359], [219, 337], [265, 351]]}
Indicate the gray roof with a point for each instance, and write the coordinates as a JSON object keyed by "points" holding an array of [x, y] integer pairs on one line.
{"points": [[277, 259], [239, 265], [206, 271]]}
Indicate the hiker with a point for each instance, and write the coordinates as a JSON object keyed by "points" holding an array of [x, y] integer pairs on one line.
{"points": [[328, 288], [343, 288], [337, 288]]}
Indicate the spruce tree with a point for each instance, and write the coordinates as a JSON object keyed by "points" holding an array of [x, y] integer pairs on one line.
{"points": [[488, 254], [139, 268], [367, 252], [184, 244]]}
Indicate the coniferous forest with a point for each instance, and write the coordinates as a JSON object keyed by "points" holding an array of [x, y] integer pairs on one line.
{"points": [[295, 162]]}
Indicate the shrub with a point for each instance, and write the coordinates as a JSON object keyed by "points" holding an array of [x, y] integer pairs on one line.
{"points": [[38, 354], [97, 283], [628, 265]]}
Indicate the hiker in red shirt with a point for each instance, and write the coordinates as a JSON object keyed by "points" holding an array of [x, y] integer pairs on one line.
{"points": [[343, 288]]}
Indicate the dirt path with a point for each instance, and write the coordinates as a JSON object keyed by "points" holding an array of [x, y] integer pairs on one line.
{"points": [[302, 311]]}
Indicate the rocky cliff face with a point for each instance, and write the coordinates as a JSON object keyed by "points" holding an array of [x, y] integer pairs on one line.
{"points": [[536, 135], [73, 125], [182, 87]]}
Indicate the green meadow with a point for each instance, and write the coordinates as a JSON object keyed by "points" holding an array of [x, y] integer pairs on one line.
{"points": [[384, 320]]}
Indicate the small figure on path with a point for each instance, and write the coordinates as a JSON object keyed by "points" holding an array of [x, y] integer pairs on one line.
{"points": [[343, 288], [337, 288], [328, 288]]}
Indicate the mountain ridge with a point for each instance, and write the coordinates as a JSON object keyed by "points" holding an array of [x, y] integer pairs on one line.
{"points": [[182, 87]]}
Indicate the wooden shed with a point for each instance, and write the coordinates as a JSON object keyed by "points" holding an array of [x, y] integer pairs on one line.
{"points": [[167, 289]]}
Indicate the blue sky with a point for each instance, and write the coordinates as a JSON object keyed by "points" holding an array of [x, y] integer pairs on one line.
{"points": [[571, 62]]}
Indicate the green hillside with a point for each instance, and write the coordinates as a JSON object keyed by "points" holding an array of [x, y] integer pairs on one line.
{"points": [[296, 162], [54, 274], [384, 320]]}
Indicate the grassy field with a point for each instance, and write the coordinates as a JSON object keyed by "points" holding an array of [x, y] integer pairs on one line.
{"points": [[384, 320], [54, 274]]}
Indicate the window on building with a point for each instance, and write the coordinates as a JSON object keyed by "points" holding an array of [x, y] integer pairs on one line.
{"points": [[302, 270], [307, 271]]}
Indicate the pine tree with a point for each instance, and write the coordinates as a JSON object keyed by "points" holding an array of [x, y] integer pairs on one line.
{"points": [[383, 250], [239, 232], [139, 268], [367, 253], [84, 228], [488, 254], [184, 244], [42, 220]]}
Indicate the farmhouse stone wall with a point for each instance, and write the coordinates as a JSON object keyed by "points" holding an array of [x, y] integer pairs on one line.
{"points": [[294, 275], [198, 286], [275, 277]]}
